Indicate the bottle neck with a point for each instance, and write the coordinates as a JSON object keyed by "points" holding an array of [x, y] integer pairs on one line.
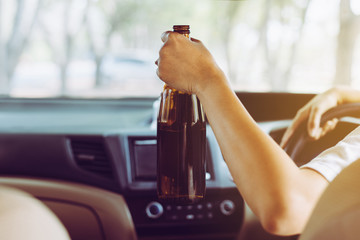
{"points": [[182, 29]]}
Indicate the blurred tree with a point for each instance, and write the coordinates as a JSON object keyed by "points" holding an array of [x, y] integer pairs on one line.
{"points": [[61, 33], [258, 41], [103, 20], [228, 21], [222, 18], [349, 29], [272, 53], [280, 57], [303, 10], [127, 22], [14, 41]]}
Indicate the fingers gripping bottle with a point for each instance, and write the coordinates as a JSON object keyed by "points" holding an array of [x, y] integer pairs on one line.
{"points": [[181, 143]]}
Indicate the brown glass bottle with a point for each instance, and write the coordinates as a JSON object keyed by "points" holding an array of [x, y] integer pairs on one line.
{"points": [[181, 144]]}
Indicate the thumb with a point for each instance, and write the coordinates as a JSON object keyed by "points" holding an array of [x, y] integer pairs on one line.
{"points": [[165, 36]]}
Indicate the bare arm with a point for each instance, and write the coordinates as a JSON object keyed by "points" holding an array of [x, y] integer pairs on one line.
{"points": [[278, 192]]}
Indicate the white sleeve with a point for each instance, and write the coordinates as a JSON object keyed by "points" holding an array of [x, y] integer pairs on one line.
{"points": [[330, 162]]}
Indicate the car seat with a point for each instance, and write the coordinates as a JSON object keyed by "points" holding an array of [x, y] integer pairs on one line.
{"points": [[24, 217], [337, 214]]}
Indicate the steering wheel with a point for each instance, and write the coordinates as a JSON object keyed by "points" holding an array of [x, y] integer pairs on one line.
{"points": [[302, 149]]}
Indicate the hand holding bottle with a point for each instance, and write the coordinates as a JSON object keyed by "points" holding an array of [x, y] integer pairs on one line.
{"points": [[186, 65]]}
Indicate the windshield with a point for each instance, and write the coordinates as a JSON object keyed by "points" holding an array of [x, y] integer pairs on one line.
{"points": [[107, 48]]}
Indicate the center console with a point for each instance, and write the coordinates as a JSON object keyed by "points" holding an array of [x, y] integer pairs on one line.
{"points": [[218, 216]]}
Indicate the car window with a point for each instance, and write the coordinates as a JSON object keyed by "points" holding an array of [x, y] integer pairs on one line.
{"points": [[107, 48]]}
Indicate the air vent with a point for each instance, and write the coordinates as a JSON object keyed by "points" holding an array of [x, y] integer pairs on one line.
{"points": [[90, 154]]}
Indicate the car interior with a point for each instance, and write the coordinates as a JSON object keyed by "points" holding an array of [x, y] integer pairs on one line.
{"points": [[80, 100]]}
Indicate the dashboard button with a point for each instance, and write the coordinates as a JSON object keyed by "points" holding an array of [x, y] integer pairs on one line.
{"points": [[200, 216], [174, 217]]}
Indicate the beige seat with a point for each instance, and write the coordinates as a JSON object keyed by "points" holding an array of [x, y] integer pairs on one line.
{"points": [[86, 212], [24, 217], [337, 214]]}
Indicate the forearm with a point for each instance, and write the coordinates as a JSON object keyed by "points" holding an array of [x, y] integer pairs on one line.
{"points": [[248, 151], [264, 174]]}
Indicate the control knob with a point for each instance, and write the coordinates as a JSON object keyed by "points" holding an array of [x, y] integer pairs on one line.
{"points": [[154, 210], [227, 207]]}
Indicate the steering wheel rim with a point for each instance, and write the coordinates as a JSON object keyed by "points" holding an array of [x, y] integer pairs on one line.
{"points": [[300, 137]]}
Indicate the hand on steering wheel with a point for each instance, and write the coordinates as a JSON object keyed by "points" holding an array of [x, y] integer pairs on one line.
{"points": [[298, 141], [312, 113]]}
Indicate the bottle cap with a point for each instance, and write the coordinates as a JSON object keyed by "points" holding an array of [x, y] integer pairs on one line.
{"points": [[183, 29]]}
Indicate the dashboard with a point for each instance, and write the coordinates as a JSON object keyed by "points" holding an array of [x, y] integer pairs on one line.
{"points": [[111, 145]]}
